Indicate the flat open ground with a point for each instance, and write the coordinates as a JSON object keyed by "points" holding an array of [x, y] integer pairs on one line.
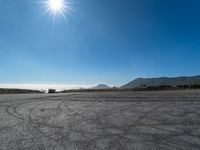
{"points": [[101, 121]]}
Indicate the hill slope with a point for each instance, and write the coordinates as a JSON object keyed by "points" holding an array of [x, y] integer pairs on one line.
{"points": [[101, 86], [162, 81]]}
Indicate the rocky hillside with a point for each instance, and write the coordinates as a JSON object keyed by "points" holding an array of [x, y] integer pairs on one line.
{"points": [[142, 82]]}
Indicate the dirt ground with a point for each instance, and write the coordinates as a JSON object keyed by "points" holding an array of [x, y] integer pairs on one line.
{"points": [[164, 120]]}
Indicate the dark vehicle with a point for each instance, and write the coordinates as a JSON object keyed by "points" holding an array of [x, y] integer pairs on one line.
{"points": [[51, 91]]}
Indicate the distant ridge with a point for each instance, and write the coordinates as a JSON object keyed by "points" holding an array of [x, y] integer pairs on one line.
{"points": [[101, 86], [174, 81], [18, 91]]}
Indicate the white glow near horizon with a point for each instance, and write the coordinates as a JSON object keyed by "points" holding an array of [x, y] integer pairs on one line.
{"points": [[58, 87]]}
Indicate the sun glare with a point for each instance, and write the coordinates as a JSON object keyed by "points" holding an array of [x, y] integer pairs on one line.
{"points": [[56, 7]]}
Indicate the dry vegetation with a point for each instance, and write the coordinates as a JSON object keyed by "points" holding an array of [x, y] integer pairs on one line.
{"points": [[141, 88], [17, 91]]}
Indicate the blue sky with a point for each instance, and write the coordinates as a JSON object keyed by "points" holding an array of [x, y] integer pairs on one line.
{"points": [[102, 41]]}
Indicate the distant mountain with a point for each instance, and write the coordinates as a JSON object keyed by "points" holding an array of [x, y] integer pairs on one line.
{"points": [[101, 86], [141, 82]]}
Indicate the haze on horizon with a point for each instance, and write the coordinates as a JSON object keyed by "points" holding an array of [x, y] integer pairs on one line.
{"points": [[98, 41]]}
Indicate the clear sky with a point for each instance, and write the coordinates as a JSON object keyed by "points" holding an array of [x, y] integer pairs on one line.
{"points": [[100, 41]]}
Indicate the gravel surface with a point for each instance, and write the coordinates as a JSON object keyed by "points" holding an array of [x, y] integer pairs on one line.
{"points": [[101, 121]]}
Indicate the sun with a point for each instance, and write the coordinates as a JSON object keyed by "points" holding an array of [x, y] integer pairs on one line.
{"points": [[56, 7]]}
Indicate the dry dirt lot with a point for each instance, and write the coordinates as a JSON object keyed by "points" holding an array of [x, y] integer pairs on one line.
{"points": [[101, 121]]}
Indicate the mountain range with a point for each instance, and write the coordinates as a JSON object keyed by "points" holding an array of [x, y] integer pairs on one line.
{"points": [[172, 81]]}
